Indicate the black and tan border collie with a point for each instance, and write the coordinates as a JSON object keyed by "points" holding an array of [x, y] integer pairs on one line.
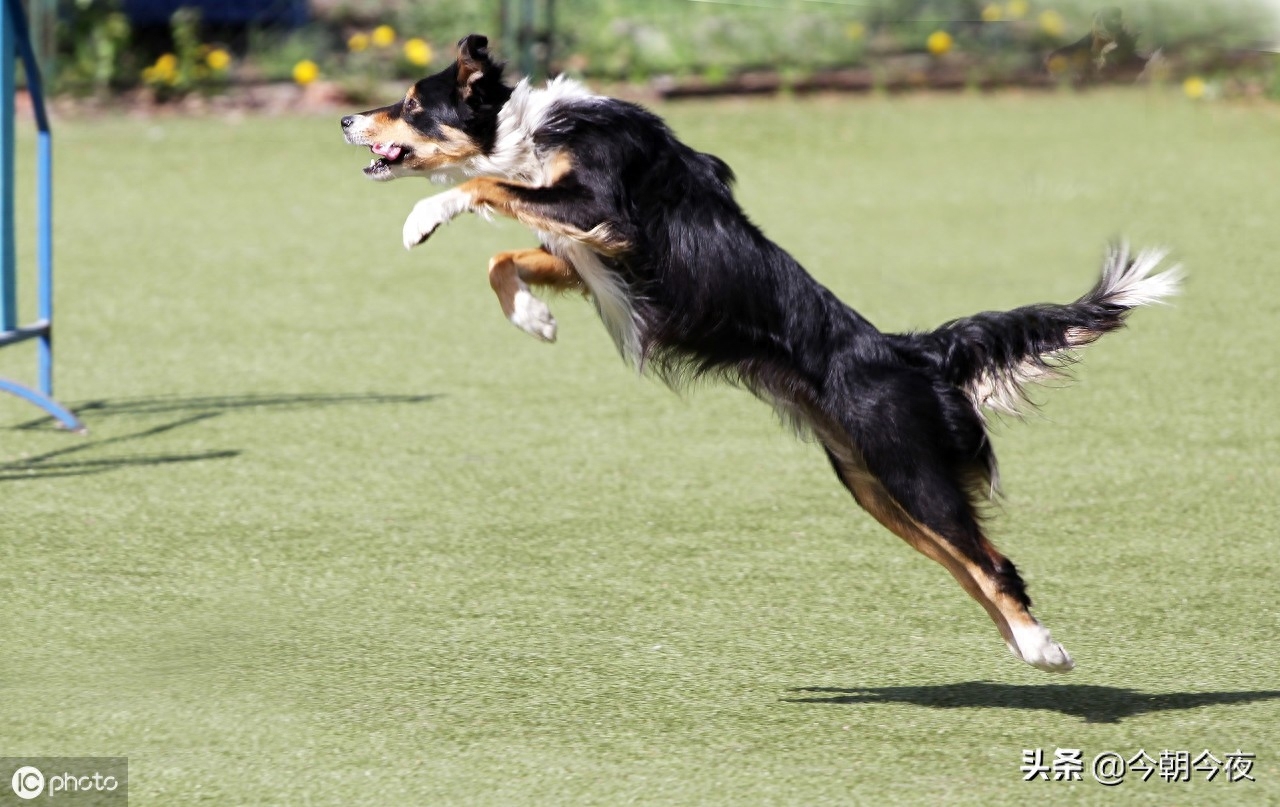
{"points": [[689, 288]]}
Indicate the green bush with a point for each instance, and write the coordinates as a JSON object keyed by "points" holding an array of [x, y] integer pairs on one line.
{"points": [[640, 39], [93, 42]]}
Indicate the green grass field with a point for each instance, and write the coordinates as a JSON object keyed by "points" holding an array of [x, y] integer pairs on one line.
{"points": [[340, 535]]}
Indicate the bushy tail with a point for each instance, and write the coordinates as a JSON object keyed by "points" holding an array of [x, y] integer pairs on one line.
{"points": [[994, 356]]}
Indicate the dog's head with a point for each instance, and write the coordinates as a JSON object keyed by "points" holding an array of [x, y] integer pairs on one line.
{"points": [[443, 121]]}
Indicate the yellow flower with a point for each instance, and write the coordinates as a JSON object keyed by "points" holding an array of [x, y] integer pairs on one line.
{"points": [[992, 13], [384, 36], [1194, 87], [358, 42], [1016, 9], [855, 31], [1051, 23], [417, 52], [938, 43], [164, 71], [305, 72], [218, 60]]}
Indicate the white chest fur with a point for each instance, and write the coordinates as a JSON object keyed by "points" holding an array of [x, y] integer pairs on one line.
{"points": [[516, 157], [610, 294]]}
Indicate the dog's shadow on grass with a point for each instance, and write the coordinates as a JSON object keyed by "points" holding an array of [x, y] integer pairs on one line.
{"points": [[1095, 704], [78, 459]]}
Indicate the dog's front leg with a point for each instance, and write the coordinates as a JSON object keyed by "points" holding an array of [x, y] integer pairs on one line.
{"points": [[561, 208], [510, 275], [427, 215]]}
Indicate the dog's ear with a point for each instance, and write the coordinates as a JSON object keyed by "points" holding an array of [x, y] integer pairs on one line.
{"points": [[473, 62]]}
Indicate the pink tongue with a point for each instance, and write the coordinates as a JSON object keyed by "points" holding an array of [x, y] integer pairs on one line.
{"points": [[387, 150]]}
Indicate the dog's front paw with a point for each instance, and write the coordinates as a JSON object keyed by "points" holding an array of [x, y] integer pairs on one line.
{"points": [[532, 316], [427, 216]]}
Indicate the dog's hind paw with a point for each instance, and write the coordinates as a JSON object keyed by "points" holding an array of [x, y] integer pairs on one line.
{"points": [[1036, 647], [532, 316], [427, 216]]}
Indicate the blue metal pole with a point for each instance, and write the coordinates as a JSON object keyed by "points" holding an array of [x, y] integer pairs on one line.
{"points": [[44, 194], [64, 416], [8, 260], [14, 36], [44, 204]]}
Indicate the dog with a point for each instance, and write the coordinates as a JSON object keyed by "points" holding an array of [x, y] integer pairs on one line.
{"points": [[689, 288]]}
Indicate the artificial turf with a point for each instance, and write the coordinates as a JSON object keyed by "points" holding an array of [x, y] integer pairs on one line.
{"points": [[341, 535]]}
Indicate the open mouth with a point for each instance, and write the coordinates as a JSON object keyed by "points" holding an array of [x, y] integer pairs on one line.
{"points": [[385, 156]]}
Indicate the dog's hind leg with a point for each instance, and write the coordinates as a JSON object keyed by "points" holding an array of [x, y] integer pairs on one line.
{"points": [[511, 273], [913, 494], [987, 576]]}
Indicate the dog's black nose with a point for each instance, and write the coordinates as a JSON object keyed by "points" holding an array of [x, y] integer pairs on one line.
{"points": [[348, 120]]}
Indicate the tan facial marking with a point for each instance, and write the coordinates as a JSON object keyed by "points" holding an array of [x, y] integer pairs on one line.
{"points": [[428, 154]]}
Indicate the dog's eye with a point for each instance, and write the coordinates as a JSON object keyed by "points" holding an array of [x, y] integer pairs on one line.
{"points": [[411, 104]]}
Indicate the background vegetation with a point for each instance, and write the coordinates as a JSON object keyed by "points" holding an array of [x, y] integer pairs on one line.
{"points": [[638, 40]]}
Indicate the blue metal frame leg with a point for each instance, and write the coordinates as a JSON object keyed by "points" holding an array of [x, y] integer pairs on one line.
{"points": [[64, 416], [15, 42]]}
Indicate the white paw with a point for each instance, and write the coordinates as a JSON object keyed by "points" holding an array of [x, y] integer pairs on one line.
{"points": [[1036, 647], [427, 216], [532, 316]]}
